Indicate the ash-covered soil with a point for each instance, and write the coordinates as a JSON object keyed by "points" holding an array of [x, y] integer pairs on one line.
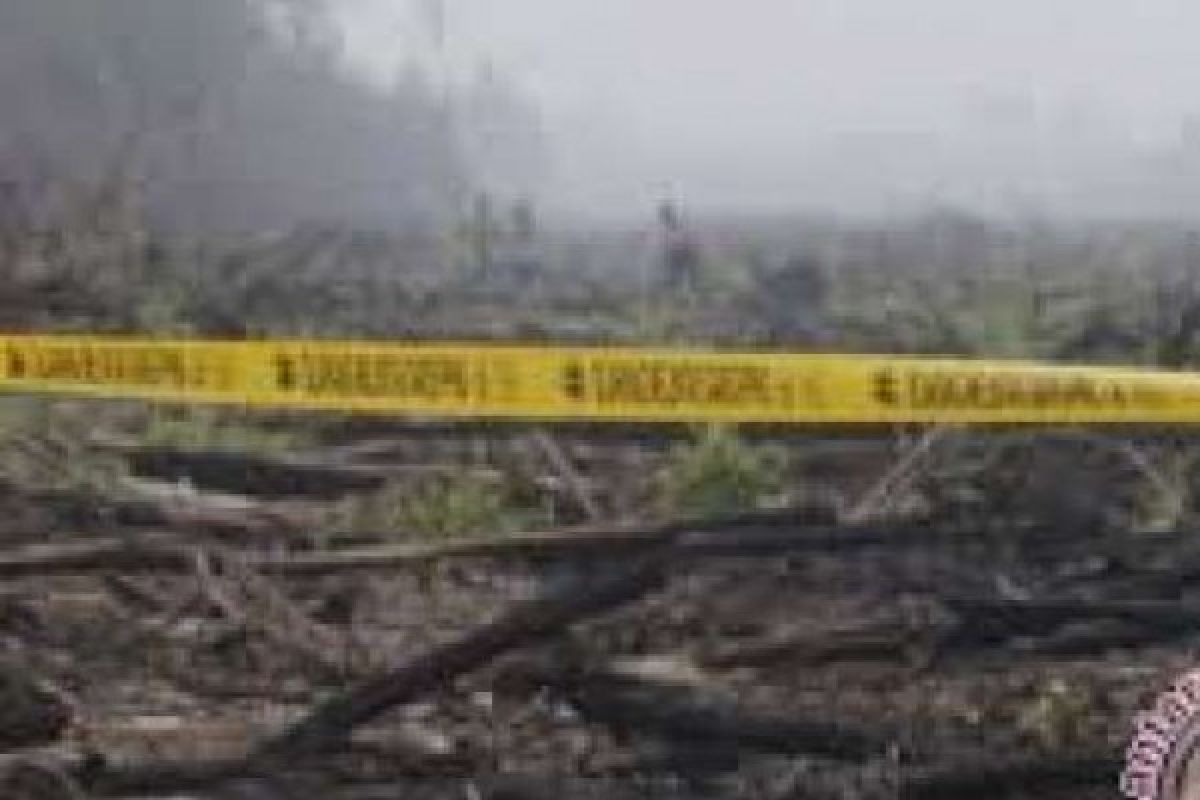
{"points": [[993, 638]]}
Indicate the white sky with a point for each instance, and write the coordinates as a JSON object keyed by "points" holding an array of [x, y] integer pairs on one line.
{"points": [[728, 98]]}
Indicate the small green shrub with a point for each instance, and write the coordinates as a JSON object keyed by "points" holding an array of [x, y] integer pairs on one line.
{"points": [[1164, 497], [1056, 715], [444, 507], [721, 474], [213, 429]]}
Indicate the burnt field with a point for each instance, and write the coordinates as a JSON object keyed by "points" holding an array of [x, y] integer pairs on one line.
{"points": [[937, 614], [199, 603], [202, 603]]}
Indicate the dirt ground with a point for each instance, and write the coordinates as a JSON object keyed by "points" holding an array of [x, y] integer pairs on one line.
{"points": [[995, 642]]}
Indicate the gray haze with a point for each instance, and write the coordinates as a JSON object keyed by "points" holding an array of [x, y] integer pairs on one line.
{"points": [[238, 114], [876, 106]]}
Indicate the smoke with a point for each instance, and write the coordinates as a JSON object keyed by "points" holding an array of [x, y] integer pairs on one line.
{"points": [[392, 113], [1066, 107], [245, 115]]}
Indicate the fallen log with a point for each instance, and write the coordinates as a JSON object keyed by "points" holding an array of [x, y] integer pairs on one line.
{"points": [[750, 536], [164, 552], [246, 473], [334, 719], [142, 553], [632, 707], [986, 776], [156, 551], [992, 621], [1095, 637], [816, 649], [73, 509], [100, 779]]}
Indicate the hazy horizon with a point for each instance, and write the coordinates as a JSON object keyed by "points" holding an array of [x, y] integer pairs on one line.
{"points": [[1057, 107]]}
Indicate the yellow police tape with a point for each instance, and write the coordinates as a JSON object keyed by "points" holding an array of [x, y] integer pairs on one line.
{"points": [[592, 383]]}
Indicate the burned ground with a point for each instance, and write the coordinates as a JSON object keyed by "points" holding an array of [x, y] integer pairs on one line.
{"points": [[987, 625]]}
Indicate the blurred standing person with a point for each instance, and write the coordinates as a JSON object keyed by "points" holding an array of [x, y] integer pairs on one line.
{"points": [[483, 233], [680, 255], [522, 252]]}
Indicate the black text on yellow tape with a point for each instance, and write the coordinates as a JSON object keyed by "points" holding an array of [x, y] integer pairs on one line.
{"points": [[117, 366], [649, 384], [375, 375], [966, 389], [673, 383]]}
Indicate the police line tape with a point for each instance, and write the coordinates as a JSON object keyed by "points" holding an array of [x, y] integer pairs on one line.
{"points": [[592, 383]]}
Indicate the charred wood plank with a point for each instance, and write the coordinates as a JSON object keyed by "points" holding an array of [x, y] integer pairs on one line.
{"points": [[250, 474], [147, 553], [334, 719], [986, 776], [643, 710]]}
